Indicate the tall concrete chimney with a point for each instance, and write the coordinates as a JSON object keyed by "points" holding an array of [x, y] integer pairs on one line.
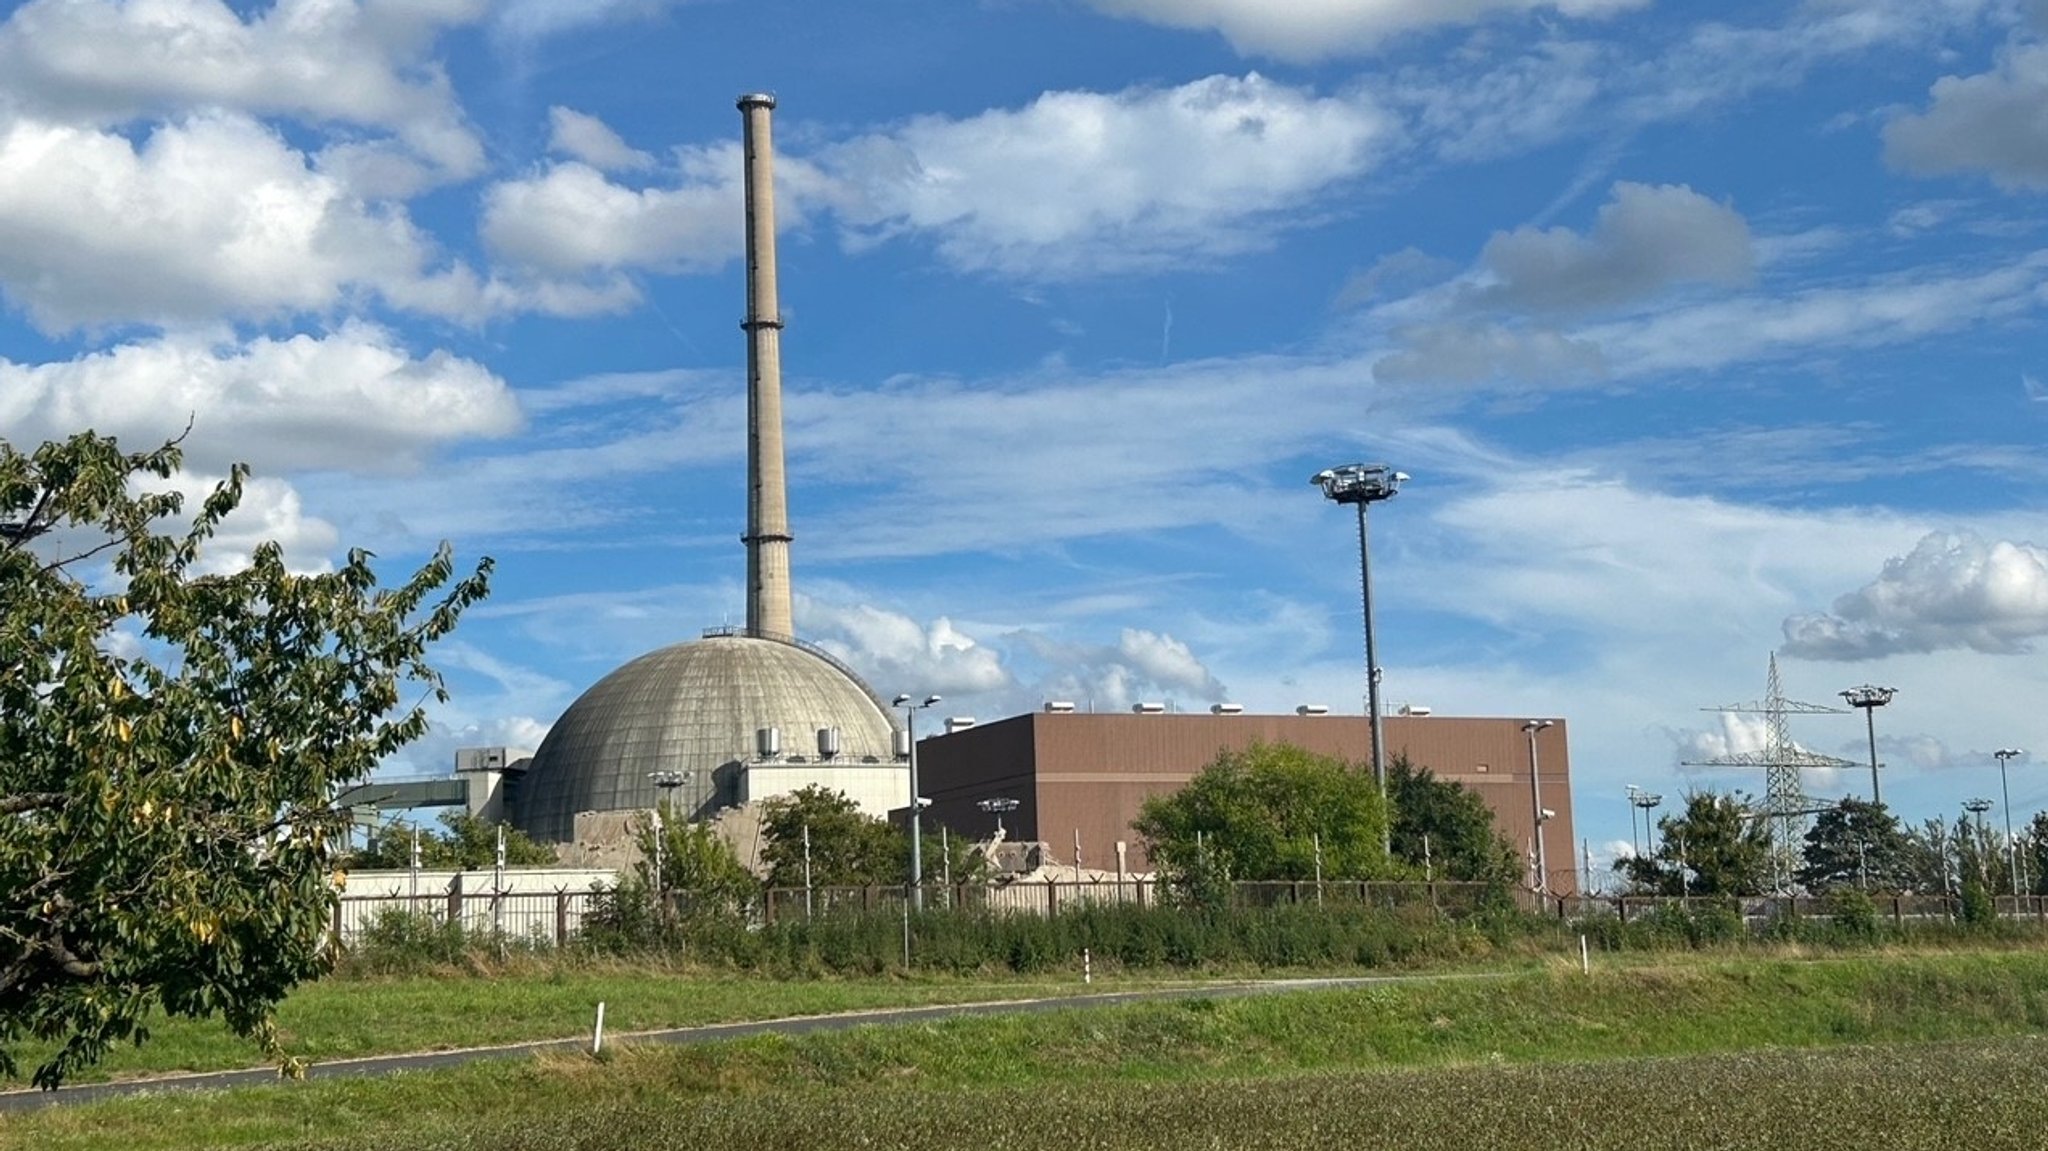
{"points": [[767, 538]]}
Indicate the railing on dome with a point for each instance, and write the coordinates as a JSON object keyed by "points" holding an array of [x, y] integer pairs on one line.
{"points": [[725, 631]]}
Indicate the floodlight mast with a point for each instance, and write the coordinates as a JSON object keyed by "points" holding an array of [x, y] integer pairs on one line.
{"points": [[910, 709], [2011, 846], [667, 781], [1363, 485], [1978, 807], [998, 806], [1870, 697], [1648, 801], [1538, 813]]}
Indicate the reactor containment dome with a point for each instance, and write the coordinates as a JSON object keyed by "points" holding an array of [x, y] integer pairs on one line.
{"points": [[714, 723]]}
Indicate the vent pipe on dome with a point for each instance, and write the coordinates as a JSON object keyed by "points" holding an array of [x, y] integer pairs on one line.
{"points": [[768, 742], [767, 538], [828, 742]]}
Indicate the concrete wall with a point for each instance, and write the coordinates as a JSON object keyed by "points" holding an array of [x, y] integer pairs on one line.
{"points": [[877, 788]]}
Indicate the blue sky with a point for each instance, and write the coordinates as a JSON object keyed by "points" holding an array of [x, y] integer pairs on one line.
{"points": [[1701, 339]]}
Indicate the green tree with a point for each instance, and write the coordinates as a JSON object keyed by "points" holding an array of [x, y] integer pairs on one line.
{"points": [[2034, 854], [170, 736], [464, 842], [1929, 862], [849, 848], [1449, 823], [1855, 844], [699, 871], [1713, 847], [1259, 814]]}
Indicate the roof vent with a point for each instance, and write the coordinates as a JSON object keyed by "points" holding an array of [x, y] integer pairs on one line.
{"points": [[1414, 709], [1226, 709], [768, 742], [958, 723], [902, 743], [1313, 709], [828, 742], [1059, 706], [1148, 708]]}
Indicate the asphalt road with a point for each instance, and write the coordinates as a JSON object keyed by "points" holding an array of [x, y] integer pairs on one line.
{"points": [[712, 1033]]}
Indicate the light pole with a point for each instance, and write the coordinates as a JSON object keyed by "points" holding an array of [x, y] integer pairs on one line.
{"points": [[2012, 853], [1978, 807], [1536, 804], [1647, 800], [910, 710], [997, 806], [667, 781], [1635, 845], [1870, 697], [1363, 485]]}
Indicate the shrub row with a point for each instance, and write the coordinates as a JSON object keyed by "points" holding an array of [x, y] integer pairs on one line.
{"points": [[856, 942]]}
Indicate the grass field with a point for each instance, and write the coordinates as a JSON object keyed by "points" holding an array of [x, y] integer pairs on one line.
{"points": [[1875, 1051], [348, 1018]]}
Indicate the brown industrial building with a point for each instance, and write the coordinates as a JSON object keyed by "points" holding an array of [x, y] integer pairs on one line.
{"points": [[1083, 774]]}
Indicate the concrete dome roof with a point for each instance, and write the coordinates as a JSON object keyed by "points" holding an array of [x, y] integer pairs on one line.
{"points": [[694, 707]]}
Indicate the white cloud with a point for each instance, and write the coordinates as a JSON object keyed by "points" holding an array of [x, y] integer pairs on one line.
{"points": [[591, 140], [1143, 666], [1733, 733], [1990, 123], [98, 63], [451, 729], [1168, 662], [1954, 590], [1644, 240], [1886, 310], [1010, 462], [1499, 95], [1471, 354], [1568, 552], [894, 649], [226, 218], [1318, 29], [1083, 183], [571, 219], [270, 512], [1467, 110], [350, 400], [539, 19]]}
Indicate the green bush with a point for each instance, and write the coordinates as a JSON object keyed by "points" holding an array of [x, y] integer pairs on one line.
{"points": [[1978, 908], [1854, 915], [400, 942]]}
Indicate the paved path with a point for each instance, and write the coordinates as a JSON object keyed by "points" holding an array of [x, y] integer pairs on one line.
{"points": [[711, 1033]]}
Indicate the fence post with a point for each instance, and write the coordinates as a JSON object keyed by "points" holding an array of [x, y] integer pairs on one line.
{"points": [[335, 942], [561, 919], [1052, 896]]}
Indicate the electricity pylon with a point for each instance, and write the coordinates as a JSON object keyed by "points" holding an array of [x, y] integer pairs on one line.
{"points": [[1786, 804]]}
